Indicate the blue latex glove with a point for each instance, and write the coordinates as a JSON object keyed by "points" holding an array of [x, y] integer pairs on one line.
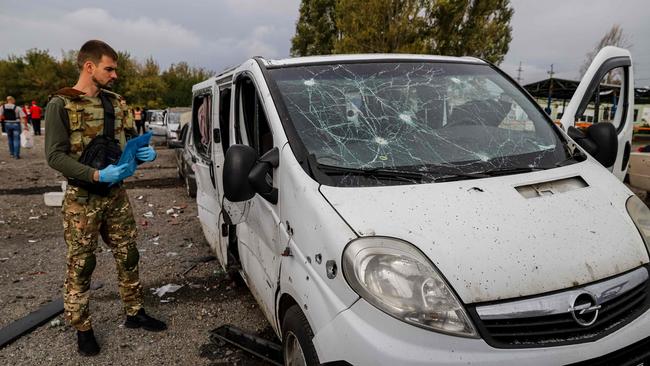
{"points": [[145, 153], [115, 173]]}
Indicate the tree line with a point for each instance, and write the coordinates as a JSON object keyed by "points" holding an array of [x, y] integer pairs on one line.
{"points": [[37, 74], [479, 28]]}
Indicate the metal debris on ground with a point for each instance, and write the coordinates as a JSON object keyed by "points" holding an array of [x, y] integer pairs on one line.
{"points": [[260, 347], [30, 322], [205, 259], [148, 214], [168, 288]]}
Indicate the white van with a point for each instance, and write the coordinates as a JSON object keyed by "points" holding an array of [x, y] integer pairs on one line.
{"points": [[418, 210]]}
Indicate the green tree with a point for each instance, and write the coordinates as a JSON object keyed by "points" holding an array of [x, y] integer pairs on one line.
{"points": [[469, 28], [39, 76], [11, 73], [374, 26], [446, 27], [179, 79], [315, 29], [146, 88]]}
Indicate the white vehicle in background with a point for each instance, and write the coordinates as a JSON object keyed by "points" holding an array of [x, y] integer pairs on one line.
{"points": [[154, 121], [419, 210], [173, 121]]}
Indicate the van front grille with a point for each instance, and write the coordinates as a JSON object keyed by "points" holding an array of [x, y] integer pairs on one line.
{"points": [[535, 322]]}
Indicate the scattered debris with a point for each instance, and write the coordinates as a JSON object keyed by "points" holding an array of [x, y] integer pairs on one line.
{"points": [[139, 197], [29, 322], [170, 211], [54, 199], [148, 214], [171, 254], [4, 259], [36, 273], [32, 240], [34, 217], [260, 347], [56, 323], [168, 288]]}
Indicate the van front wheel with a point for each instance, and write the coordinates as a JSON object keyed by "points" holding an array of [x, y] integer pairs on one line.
{"points": [[297, 346]]}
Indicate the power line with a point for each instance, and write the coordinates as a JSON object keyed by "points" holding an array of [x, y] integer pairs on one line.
{"points": [[519, 70]]}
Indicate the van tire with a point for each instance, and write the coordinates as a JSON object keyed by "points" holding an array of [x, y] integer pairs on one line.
{"points": [[295, 327]]}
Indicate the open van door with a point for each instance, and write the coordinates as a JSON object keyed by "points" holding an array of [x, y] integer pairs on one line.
{"points": [[606, 92]]}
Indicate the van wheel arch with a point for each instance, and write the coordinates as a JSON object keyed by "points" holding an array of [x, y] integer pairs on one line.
{"points": [[286, 301]]}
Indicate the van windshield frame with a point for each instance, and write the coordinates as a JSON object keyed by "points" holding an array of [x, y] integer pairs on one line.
{"points": [[438, 118]]}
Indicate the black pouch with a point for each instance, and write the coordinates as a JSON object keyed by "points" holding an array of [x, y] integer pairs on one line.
{"points": [[102, 151]]}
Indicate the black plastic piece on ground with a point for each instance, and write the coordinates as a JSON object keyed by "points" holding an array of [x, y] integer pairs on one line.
{"points": [[28, 323], [260, 347]]}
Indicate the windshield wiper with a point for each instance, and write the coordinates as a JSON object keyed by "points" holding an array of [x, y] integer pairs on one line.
{"points": [[385, 173]]}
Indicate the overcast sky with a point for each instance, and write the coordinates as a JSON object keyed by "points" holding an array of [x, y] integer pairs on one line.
{"points": [[219, 33]]}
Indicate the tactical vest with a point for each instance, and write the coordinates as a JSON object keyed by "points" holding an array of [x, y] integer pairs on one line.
{"points": [[9, 114], [86, 118]]}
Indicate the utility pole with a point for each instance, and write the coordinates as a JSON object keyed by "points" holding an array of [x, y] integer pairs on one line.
{"points": [[519, 70], [550, 90]]}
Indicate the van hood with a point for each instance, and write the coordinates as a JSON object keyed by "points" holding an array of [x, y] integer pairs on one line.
{"points": [[491, 242]]}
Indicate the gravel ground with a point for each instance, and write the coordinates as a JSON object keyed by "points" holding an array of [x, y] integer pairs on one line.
{"points": [[32, 265]]}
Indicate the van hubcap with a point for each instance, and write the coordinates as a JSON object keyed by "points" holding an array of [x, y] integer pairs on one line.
{"points": [[293, 354]]}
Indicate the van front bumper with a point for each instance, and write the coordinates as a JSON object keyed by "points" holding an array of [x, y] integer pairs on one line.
{"points": [[364, 335]]}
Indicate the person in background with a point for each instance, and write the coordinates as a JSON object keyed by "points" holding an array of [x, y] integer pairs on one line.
{"points": [[139, 121], [28, 113], [36, 117], [2, 118], [13, 117]]}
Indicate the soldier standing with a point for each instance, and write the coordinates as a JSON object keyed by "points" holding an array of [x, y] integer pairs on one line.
{"points": [[75, 116]]}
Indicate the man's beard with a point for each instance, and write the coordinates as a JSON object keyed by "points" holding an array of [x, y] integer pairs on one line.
{"points": [[108, 85]]}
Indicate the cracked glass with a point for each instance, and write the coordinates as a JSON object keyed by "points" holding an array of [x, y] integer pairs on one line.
{"points": [[414, 122]]}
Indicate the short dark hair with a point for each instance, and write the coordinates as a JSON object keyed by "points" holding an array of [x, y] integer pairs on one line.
{"points": [[93, 50]]}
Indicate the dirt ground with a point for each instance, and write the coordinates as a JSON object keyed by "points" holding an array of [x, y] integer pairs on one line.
{"points": [[32, 266]]}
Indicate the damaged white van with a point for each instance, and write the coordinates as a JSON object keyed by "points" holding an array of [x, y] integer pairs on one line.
{"points": [[419, 210]]}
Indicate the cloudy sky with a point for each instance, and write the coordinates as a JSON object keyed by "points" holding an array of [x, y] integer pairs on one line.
{"points": [[219, 33]]}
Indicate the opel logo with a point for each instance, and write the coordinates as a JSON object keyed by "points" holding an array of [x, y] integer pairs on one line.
{"points": [[585, 309]]}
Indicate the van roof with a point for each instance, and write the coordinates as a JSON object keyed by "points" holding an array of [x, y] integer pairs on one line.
{"points": [[308, 60], [365, 57]]}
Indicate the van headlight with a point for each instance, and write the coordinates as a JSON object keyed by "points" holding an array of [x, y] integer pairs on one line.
{"points": [[640, 214], [398, 279]]}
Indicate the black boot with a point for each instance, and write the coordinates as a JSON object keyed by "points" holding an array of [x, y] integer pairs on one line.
{"points": [[142, 320], [87, 344]]}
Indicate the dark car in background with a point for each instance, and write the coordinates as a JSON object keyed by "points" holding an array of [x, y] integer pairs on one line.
{"points": [[184, 160]]}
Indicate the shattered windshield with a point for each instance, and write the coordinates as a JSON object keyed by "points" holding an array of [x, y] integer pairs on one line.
{"points": [[414, 121]]}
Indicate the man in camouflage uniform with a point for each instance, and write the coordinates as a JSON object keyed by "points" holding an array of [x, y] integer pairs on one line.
{"points": [[74, 117]]}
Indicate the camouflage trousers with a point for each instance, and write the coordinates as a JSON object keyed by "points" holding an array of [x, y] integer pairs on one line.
{"points": [[83, 222]]}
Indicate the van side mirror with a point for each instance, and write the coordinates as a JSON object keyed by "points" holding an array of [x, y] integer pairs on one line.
{"points": [[600, 141], [258, 175], [244, 174], [239, 161]]}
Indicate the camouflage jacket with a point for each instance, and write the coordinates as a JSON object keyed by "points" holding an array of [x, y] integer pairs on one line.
{"points": [[72, 121], [86, 118]]}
